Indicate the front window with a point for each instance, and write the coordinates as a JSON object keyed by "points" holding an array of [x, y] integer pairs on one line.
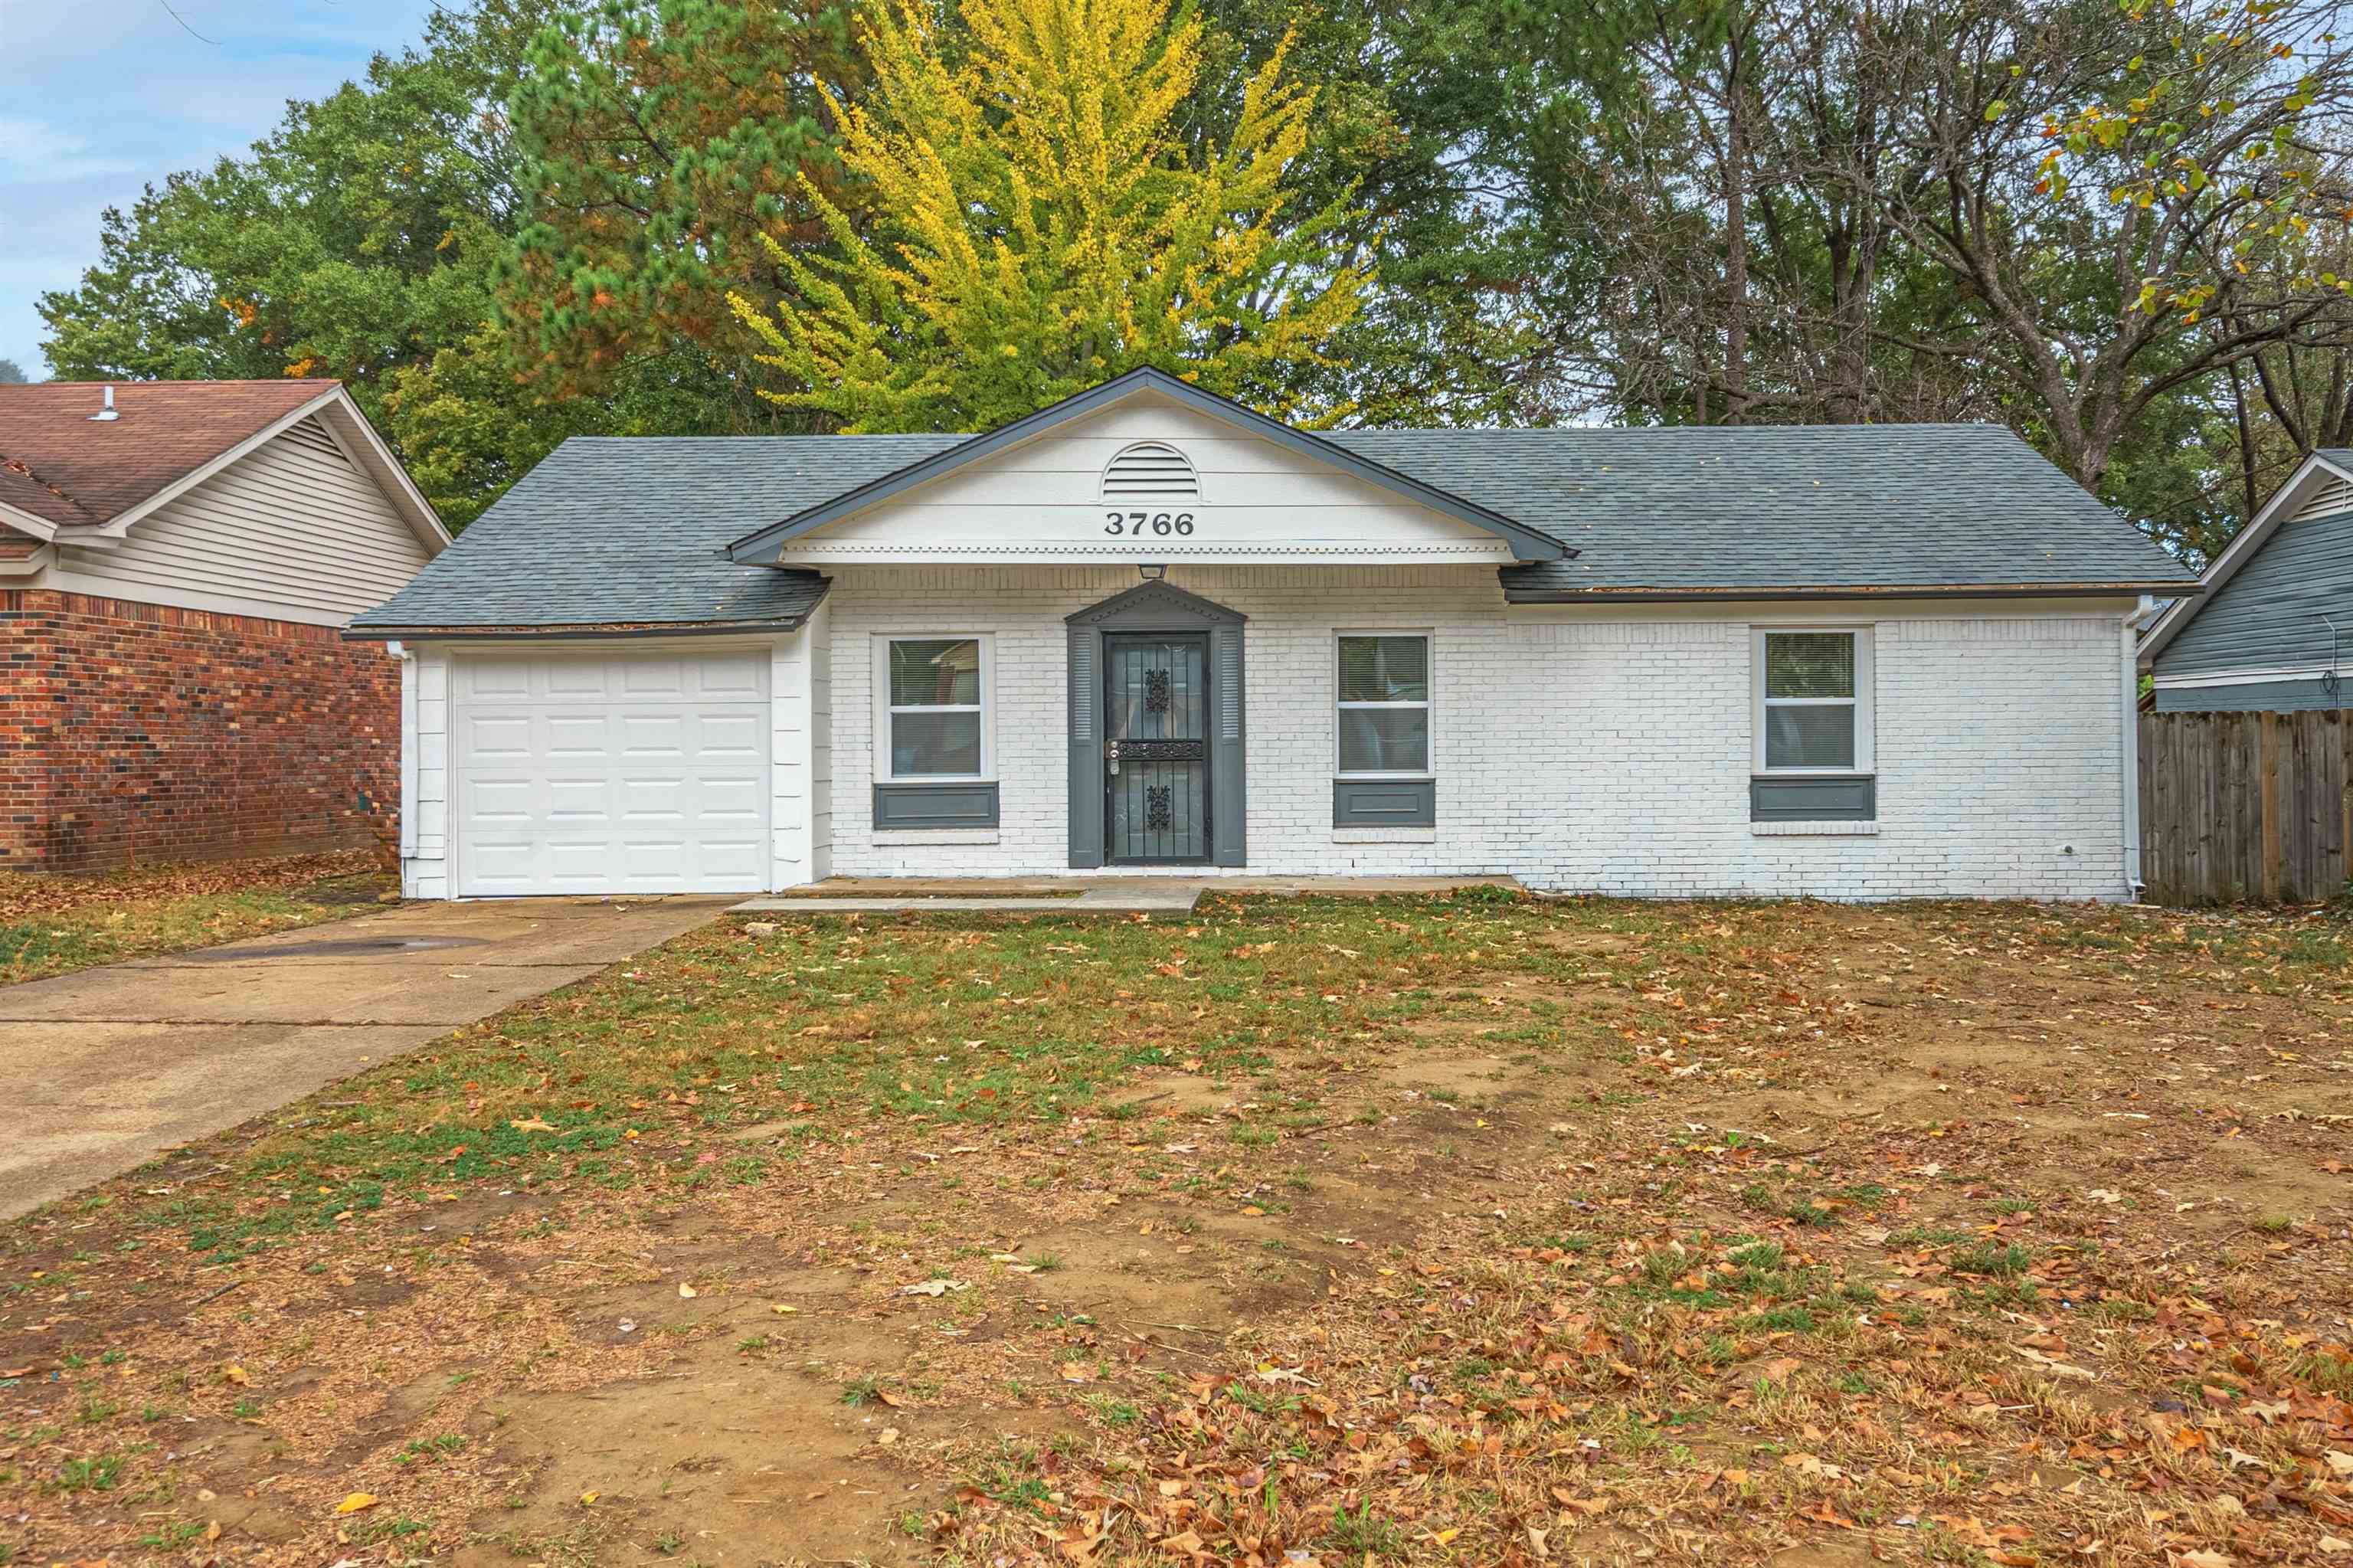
{"points": [[1384, 704], [935, 690], [1813, 702]]}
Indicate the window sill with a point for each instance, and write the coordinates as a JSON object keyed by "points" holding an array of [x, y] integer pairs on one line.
{"points": [[1383, 835], [902, 838], [1814, 830]]}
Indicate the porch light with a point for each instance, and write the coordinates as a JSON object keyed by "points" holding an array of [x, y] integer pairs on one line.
{"points": [[1153, 570]]}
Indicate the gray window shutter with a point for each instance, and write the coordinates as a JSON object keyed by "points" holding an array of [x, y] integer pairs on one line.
{"points": [[1086, 749], [1229, 828]]}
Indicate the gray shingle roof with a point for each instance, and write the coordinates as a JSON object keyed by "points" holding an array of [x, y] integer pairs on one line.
{"points": [[624, 530], [1818, 506], [630, 531]]}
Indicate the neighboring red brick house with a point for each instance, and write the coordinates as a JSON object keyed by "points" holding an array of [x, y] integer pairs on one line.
{"points": [[176, 559]]}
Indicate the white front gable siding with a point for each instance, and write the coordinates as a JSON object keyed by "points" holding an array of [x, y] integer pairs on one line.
{"points": [[1573, 750], [1042, 502]]}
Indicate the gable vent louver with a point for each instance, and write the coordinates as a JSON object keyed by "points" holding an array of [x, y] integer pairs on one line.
{"points": [[1151, 470], [313, 437], [2335, 496]]}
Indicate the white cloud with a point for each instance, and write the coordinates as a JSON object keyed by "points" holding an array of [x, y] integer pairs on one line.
{"points": [[32, 152]]}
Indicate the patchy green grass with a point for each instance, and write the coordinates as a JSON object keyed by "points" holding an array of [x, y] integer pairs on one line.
{"points": [[1435, 1229], [56, 924]]}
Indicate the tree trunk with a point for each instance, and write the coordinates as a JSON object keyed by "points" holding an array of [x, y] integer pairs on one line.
{"points": [[1736, 236]]}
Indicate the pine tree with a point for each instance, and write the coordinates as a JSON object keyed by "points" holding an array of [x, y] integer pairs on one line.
{"points": [[1041, 228]]}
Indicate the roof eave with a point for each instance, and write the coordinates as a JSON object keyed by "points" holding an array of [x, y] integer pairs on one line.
{"points": [[1851, 591], [1527, 544], [559, 631]]}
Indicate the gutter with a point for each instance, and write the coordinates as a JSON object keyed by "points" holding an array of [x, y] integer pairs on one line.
{"points": [[1850, 593], [561, 631], [569, 632]]}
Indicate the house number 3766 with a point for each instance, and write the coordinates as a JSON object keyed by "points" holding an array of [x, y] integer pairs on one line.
{"points": [[1134, 524]]}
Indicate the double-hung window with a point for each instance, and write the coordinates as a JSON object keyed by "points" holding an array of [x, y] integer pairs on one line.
{"points": [[1813, 723], [1383, 705], [935, 707]]}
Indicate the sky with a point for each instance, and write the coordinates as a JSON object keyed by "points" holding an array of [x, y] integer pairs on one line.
{"points": [[121, 95]]}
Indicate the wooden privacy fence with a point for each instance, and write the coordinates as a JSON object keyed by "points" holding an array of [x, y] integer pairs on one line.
{"points": [[2244, 805]]}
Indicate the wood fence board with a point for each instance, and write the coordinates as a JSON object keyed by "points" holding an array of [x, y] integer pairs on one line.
{"points": [[2246, 805]]}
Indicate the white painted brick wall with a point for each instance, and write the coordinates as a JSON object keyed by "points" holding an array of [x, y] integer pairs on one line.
{"points": [[1587, 754]]}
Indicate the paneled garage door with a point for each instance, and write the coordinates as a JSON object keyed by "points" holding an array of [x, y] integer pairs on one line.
{"points": [[612, 773]]}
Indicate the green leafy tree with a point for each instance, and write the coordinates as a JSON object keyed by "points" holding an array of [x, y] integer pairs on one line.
{"points": [[659, 143], [1042, 227], [357, 238]]}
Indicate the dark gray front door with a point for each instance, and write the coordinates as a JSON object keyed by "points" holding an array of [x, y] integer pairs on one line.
{"points": [[1156, 706]]}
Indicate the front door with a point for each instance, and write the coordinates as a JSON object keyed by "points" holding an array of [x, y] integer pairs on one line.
{"points": [[1155, 748]]}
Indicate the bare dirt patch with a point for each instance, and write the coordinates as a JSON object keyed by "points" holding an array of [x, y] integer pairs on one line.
{"points": [[1301, 1229]]}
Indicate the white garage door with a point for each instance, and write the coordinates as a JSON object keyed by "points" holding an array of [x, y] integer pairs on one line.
{"points": [[611, 773]]}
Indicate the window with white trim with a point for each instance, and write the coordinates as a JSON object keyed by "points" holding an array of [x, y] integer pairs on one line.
{"points": [[1384, 707], [1813, 700], [934, 705]]}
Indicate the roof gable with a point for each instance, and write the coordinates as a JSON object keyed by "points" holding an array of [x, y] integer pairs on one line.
{"points": [[2319, 474], [80, 470], [66, 468], [1066, 514]]}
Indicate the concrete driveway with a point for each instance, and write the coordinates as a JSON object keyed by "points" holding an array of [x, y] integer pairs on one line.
{"points": [[102, 1069]]}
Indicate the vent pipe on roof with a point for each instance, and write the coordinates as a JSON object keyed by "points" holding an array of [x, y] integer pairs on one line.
{"points": [[108, 412]]}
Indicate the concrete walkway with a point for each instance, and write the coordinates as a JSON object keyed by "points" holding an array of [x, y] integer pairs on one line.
{"points": [[1083, 896], [102, 1069]]}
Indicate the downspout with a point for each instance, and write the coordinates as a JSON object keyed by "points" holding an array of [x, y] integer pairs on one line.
{"points": [[407, 756], [2130, 742]]}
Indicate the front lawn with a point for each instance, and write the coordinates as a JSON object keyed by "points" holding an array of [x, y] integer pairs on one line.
{"points": [[1447, 1231], [53, 925]]}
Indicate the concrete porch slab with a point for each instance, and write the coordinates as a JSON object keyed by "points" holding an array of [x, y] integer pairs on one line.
{"points": [[1083, 896]]}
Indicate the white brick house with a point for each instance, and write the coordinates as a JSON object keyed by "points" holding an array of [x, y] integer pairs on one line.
{"points": [[1148, 629]]}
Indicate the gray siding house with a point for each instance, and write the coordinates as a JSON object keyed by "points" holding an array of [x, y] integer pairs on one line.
{"points": [[2273, 627]]}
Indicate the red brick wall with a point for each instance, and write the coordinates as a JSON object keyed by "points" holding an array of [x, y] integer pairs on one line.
{"points": [[142, 733]]}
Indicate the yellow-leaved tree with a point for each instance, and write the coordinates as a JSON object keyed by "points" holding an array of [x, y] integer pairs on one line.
{"points": [[1041, 225]]}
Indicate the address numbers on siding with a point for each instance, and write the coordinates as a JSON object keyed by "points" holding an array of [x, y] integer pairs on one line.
{"points": [[1134, 524]]}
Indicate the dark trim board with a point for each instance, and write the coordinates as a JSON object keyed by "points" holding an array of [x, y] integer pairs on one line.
{"points": [[1384, 803], [1836, 799], [944, 803], [1158, 607], [1765, 595], [568, 633], [2307, 694]]}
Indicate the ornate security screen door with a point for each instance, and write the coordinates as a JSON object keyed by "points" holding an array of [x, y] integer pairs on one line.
{"points": [[1155, 749]]}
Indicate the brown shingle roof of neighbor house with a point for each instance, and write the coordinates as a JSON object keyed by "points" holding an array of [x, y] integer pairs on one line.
{"points": [[61, 465]]}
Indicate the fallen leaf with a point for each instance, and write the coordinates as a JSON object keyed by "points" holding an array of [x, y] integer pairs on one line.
{"points": [[936, 1287], [2063, 1368], [685, 1292], [355, 1502]]}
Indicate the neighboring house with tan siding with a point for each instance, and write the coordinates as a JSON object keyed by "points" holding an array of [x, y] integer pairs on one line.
{"points": [[176, 558]]}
